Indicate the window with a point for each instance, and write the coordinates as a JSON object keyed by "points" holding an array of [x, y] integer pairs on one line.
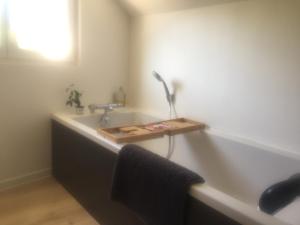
{"points": [[30, 29]]}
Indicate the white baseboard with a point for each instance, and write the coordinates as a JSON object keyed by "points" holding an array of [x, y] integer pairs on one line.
{"points": [[24, 179]]}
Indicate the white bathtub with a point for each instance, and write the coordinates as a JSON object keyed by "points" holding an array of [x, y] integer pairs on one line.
{"points": [[236, 173]]}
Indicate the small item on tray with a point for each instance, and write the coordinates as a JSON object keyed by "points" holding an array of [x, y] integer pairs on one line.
{"points": [[157, 126]]}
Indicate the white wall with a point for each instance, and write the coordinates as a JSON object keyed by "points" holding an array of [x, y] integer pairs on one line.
{"points": [[236, 65], [29, 93]]}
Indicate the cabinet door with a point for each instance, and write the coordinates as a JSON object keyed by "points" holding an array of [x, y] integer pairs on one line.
{"points": [[85, 169]]}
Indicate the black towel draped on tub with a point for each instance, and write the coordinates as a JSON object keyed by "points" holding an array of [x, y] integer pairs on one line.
{"points": [[153, 187]]}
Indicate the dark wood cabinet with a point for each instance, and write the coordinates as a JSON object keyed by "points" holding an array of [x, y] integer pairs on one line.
{"points": [[85, 169]]}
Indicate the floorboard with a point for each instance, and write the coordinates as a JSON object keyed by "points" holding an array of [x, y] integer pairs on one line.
{"points": [[44, 202]]}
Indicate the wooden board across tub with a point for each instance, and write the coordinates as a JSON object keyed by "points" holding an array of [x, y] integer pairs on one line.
{"points": [[127, 134]]}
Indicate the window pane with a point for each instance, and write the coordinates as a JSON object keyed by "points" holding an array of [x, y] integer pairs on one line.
{"points": [[41, 26]]}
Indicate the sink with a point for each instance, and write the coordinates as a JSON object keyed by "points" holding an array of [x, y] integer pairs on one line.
{"points": [[116, 119]]}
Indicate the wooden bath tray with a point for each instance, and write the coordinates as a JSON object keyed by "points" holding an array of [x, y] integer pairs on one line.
{"points": [[150, 131], [182, 125], [130, 134]]}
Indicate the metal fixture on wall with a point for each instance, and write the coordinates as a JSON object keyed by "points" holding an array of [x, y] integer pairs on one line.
{"points": [[172, 110]]}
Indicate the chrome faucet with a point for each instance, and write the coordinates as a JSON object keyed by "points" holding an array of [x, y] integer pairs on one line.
{"points": [[107, 108]]}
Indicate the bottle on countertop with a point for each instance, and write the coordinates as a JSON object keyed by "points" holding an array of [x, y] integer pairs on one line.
{"points": [[120, 96]]}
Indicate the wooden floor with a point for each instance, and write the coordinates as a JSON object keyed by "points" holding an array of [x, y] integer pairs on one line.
{"points": [[41, 203]]}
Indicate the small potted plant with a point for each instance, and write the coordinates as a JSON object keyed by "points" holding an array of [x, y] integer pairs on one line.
{"points": [[74, 99]]}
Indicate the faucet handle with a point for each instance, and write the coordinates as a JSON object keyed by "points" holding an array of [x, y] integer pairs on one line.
{"points": [[106, 107], [115, 105], [112, 106]]}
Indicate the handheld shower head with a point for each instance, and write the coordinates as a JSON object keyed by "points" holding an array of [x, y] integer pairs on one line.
{"points": [[157, 76], [170, 97]]}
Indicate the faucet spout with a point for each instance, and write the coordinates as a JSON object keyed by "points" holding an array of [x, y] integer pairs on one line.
{"points": [[104, 119]]}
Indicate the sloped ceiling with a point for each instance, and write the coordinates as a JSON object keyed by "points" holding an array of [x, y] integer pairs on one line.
{"points": [[142, 7]]}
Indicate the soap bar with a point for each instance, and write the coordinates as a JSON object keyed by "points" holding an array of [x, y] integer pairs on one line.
{"points": [[158, 126]]}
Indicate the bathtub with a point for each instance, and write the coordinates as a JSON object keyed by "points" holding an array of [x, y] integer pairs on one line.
{"points": [[236, 170]]}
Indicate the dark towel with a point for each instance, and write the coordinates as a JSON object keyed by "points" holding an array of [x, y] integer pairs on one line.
{"points": [[151, 186]]}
